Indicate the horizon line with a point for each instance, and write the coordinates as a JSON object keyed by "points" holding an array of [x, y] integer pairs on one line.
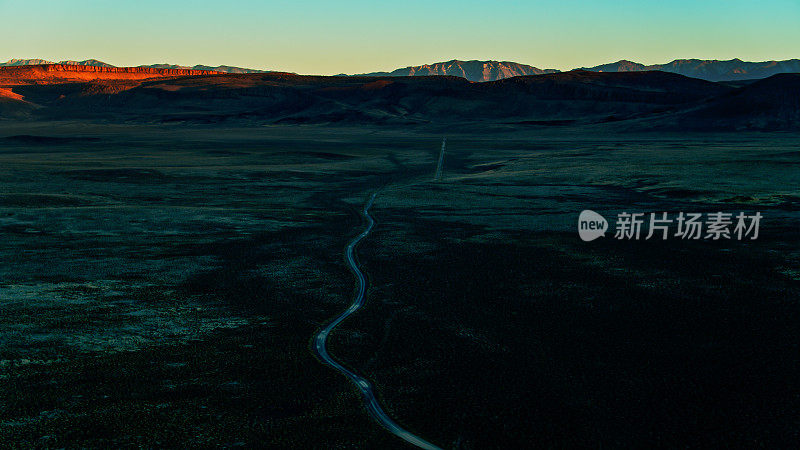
{"points": [[398, 67]]}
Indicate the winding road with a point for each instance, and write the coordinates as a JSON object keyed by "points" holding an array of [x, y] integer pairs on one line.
{"points": [[438, 175], [320, 345]]}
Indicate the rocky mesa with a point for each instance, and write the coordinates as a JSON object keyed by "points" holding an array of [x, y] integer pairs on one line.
{"points": [[63, 73]]}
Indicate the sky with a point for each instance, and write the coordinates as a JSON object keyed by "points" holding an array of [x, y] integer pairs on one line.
{"points": [[357, 36]]}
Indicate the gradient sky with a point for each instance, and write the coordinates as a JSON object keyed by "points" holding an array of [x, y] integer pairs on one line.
{"points": [[329, 37]]}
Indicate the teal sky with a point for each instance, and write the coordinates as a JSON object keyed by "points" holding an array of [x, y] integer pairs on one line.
{"points": [[329, 37]]}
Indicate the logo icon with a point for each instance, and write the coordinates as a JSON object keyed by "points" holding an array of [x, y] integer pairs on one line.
{"points": [[591, 225]]}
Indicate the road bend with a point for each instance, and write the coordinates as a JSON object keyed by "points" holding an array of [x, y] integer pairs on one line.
{"points": [[363, 385]]}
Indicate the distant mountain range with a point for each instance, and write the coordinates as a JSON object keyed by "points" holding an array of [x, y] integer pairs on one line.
{"points": [[226, 69], [36, 62], [711, 70], [704, 69], [471, 70], [96, 63], [628, 100]]}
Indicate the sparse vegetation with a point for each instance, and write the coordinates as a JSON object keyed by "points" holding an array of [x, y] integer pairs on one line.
{"points": [[161, 283]]}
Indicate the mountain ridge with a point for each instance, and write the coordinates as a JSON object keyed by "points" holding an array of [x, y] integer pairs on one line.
{"points": [[472, 70], [65, 73], [98, 63], [704, 69], [492, 70], [643, 100], [708, 69], [222, 68]]}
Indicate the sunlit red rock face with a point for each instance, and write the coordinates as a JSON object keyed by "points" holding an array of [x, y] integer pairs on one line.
{"points": [[8, 93], [63, 73]]}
